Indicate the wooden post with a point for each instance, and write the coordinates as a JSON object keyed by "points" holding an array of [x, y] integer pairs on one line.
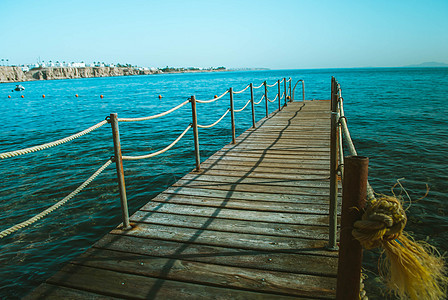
{"points": [[252, 104], [333, 172], [120, 174], [232, 116], [278, 93], [286, 94], [266, 97], [350, 250], [195, 132]]}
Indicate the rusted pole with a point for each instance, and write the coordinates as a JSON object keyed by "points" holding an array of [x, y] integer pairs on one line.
{"points": [[333, 172], [195, 132], [303, 90], [266, 97], [286, 94], [252, 104], [290, 89], [232, 116], [278, 93], [120, 174], [350, 250]]}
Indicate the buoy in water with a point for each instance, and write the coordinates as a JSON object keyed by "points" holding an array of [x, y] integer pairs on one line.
{"points": [[76, 95], [216, 96], [160, 96], [43, 96], [9, 96], [22, 96], [101, 96], [287, 97]]}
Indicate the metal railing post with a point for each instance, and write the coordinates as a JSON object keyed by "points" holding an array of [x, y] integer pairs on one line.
{"points": [[286, 94], [195, 132], [303, 90], [333, 172], [350, 252], [278, 85], [120, 174], [252, 104], [290, 89], [266, 97], [232, 116]]}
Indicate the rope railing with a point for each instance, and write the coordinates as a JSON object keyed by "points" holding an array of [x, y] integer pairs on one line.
{"points": [[273, 100], [257, 87], [271, 85], [239, 92], [241, 109], [154, 116], [160, 151], [118, 157], [39, 216], [219, 120], [51, 144], [262, 97], [214, 99]]}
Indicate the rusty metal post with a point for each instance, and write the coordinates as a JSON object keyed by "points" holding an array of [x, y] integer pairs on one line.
{"points": [[252, 104], [120, 174], [290, 89], [286, 93], [303, 90], [232, 116], [195, 132], [333, 223], [266, 97], [350, 250], [278, 93]]}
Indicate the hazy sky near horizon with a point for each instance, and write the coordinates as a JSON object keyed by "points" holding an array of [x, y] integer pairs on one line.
{"points": [[287, 34]]}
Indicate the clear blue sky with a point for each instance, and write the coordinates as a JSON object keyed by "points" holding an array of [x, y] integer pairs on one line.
{"points": [[281, 34]]}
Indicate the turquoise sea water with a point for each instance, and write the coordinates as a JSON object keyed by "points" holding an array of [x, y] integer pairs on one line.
{"points": [[397, 117]]}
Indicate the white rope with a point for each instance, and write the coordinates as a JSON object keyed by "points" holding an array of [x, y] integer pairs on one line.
{"points": [[239, 92], [219, 120], [276, 96], [241, 109], [289, 80], [283, 96], [158, 152], [212, 100], [153, 116], [257, 87], [55, 206], [51, 144], [272, 84], [259, 101]]}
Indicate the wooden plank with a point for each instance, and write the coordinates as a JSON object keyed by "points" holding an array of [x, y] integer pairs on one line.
{"points": [[123, 285], [256, 195], [210, 274], [231, 202], [297, 263], [220, 224], [227, 239], [253, 188], [248, 179], [57, 292], [297, 217]]}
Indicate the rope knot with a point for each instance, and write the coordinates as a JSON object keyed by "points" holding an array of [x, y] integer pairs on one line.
{"points": [[383, 220]]}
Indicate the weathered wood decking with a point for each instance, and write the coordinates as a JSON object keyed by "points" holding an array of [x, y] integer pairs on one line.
{"points": [[252, 224]]}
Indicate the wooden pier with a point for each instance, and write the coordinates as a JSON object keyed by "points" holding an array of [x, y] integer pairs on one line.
{"points": [[252, 224]]}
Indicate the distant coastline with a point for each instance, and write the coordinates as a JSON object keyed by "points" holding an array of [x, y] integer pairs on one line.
{"points": [[16, 74]]}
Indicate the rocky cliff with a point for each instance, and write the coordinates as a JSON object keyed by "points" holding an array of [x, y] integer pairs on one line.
{"points": [[12, 74], [15, 74]]}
